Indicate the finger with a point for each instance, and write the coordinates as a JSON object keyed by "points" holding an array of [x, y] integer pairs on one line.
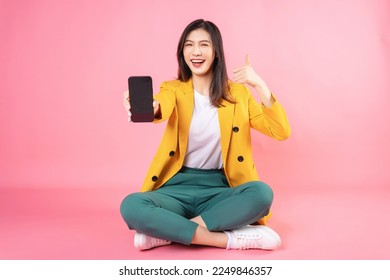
{"points": [[243, 69], [240, 81], [126, 97], [238, 74], [236, 70], [242, 74], [129, 116], [248, 60], [240, 78]]}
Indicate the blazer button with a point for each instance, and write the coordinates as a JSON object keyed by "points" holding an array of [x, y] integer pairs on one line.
{"points": [[171, 153], [235, 129], [240, 158], [154, 178]]}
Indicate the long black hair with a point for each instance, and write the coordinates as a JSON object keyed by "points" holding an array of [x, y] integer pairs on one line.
{"points": [[219, 87]]}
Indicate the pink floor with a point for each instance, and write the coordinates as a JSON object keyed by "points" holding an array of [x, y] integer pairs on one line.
{"points": [[59, 224]]}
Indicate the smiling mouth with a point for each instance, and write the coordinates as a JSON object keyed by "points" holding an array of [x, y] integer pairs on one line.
{"points": [[197, 62]]}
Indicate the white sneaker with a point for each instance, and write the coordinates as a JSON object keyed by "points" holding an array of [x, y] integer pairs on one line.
{"points": [[253, 237], [144, 242]]}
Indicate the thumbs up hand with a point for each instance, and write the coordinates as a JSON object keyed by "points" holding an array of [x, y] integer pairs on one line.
{"points": [[246, 74]]}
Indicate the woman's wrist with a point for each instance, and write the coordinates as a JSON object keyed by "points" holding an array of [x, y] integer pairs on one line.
{"points": [[265, 95]]}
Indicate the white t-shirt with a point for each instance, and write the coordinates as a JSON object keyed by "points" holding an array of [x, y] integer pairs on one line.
{"points": [[204, 149]]}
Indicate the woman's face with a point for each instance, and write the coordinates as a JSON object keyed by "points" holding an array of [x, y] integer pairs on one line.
{"points": [[199, 52]]}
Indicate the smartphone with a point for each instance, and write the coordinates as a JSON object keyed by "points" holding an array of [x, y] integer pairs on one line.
{"points": [[141, 98]]}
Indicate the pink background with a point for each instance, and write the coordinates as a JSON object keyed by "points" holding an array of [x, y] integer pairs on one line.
{"points": [[68, 155]]}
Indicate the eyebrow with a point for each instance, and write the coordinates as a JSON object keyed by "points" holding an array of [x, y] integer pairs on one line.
{"points": [[201, 41]]}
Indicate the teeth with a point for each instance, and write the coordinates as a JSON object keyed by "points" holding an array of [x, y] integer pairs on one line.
{"points": [[197, 61]]}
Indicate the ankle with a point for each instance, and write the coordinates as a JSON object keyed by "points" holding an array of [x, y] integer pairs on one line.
{"points": [[230, 240], [204, 237]]}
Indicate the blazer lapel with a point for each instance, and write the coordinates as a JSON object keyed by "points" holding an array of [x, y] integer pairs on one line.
{"points": [[186, 108], [225, 115]]}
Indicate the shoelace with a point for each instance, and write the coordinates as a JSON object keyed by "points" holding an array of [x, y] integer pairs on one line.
{"points": [[249, 243]]}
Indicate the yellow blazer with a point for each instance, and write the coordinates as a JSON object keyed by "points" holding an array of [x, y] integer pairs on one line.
{"points": [[176, 100]]}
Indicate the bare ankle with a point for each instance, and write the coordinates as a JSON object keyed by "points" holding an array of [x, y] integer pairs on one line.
{"points": [[199, 221], [204, 237]]}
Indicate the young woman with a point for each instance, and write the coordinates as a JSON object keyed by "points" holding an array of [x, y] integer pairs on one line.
{"points": [[202, 186]]}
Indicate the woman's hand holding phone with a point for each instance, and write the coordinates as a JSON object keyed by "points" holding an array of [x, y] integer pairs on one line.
{"points": [[127, 106], [126, 100]]}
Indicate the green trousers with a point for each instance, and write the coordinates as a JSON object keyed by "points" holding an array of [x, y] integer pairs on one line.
{"points": [[165, 212]]}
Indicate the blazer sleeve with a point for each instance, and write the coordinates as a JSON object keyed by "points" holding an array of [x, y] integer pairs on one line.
{"points": [[270, 121], [167, 99]]}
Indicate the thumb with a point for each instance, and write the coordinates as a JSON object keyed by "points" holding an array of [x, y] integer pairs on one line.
{"points": [[248, 60]]}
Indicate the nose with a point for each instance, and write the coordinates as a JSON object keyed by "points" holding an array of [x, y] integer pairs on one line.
{"points": [[197, 51]]}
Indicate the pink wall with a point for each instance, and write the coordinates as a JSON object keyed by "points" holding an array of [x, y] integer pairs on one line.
{"points": [[64, 66]]}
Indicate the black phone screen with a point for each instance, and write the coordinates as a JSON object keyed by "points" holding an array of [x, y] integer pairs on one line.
{"points": [[141, 98]]}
